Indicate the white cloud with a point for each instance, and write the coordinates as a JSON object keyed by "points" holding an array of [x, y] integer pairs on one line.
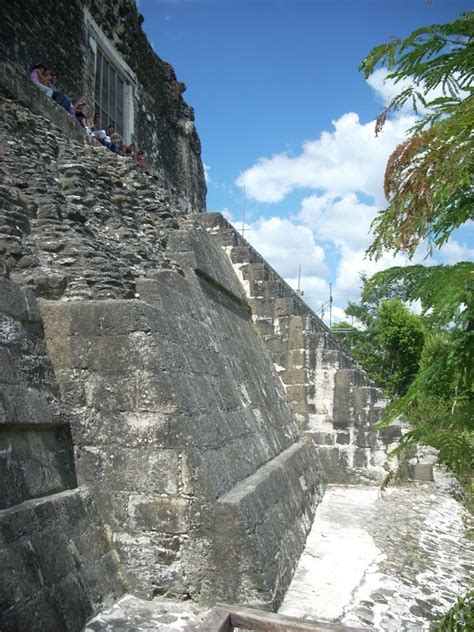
{"points": [[315, 289], [286, 245], [207, 169], [385, 88], [352, 264], [345, 169], [338, 314], [349, 159], [344, 221], [453, 252]]}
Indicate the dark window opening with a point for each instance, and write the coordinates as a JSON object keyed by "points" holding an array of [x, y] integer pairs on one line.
{"points": [[109, 94]]}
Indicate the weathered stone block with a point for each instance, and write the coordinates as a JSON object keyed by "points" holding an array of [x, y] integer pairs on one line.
{"points": [[265, 326], [422, 472], [23, 404], [365, 436], [321, 438], [296, 341], [361, 457], [335, 464], [256, 501], [158, 470], [332, 357], [13, 300], [33, 464], [240, 254], [150, 289], [256, 272], [343, 438], [78, 610], [293, 376], [391, 433], [42, 561], [8, 372], [103, 393], [163, 515], [26, 617], [73, 392], [282, 307], [52, 555], [296, 393], [299, 407], [344, 419], [296, 358]]}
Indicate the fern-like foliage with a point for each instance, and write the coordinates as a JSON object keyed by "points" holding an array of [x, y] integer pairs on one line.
{"points": [[429, 181], [438, 55]]}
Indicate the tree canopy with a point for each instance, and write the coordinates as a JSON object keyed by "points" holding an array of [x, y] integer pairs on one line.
{"points": [[389, 345], [429, 186], [429, 178], [437, 393]]}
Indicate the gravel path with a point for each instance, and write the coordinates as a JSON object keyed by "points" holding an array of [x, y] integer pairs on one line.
{"points": [[395, 562]]}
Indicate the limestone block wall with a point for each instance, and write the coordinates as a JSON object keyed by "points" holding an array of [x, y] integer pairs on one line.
{"points": [[180, 425], [57, 566], [331, 396], [182, 429], [76, 221], [55, 34]]}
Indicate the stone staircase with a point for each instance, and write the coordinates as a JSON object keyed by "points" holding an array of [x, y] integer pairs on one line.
{"points": [[331, 396]]}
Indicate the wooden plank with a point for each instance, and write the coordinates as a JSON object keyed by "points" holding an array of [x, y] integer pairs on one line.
{"points": [[263, 621], [218, 620]]}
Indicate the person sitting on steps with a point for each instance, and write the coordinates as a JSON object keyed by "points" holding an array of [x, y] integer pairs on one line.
{"points": [[43, 79], [38, 77]]}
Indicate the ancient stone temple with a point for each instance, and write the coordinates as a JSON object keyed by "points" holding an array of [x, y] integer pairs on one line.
{"points": [[170, 410]]}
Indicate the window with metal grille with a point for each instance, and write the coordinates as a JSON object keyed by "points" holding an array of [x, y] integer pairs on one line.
{"points": [[109, 94]]}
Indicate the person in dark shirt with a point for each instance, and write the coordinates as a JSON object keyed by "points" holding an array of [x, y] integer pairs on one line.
{"points": [[83, 116], [116, 140]]}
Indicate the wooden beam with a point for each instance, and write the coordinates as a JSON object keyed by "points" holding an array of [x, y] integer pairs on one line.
{"points": [[264, 621], [218, 620]]}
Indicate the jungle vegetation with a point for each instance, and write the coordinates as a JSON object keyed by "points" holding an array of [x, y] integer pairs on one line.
{"points": [[426, 362]]}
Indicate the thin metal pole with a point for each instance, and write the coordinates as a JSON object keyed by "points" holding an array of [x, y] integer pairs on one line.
{"points": [[330, 305]]}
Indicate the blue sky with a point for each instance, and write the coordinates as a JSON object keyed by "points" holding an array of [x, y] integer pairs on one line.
{"points": [[282, 110]]}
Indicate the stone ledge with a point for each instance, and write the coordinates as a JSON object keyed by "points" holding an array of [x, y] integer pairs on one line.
{"points": [[24, 90]]}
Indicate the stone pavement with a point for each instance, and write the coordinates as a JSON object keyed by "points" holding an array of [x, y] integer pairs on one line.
{"points": [[395, 562], [132, 614]]}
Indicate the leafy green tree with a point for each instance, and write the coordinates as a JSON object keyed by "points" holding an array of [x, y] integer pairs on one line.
{"points": [[429, 185], [440, 399], [429, 178], [388, 346], [347, 333]]}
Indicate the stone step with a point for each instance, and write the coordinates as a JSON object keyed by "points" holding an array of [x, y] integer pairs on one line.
{"points": [[58, 566], [271, 505]]}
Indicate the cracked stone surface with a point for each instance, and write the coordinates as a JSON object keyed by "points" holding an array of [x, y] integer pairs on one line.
{"points": [[395, 562], [132, 614]]}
